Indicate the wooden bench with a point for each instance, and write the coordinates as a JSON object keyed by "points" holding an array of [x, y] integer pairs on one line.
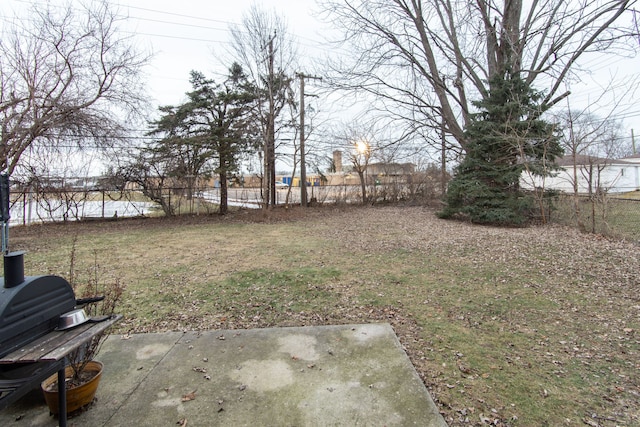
{"points": [[41, 358]]}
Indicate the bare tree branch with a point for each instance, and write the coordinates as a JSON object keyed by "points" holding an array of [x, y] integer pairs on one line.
{"points": [[262, 45], [66, 75], [434, 56]]}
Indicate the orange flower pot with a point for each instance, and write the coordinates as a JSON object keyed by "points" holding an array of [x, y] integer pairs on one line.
{"points": [[77, 396]]}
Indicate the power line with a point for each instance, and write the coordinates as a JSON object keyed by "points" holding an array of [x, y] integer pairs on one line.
{"points": [[228, 23], [177, 37], [314, 43], [178, 14]]}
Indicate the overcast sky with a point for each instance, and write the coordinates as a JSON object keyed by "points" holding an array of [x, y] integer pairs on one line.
{"points": [[190, 35], [194, 35], [187, 35]]}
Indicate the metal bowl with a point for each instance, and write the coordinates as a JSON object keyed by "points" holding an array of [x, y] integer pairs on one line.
{"points": [[72, 319]]}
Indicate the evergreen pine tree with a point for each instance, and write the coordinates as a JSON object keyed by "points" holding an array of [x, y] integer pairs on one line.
{"points": [[505, 137]]}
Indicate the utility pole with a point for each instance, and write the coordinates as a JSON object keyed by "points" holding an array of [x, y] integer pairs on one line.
{"points": [[303, 166], [270, 158]]}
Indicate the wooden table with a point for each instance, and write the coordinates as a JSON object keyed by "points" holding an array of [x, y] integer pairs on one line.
{"points": [[50, 352]]}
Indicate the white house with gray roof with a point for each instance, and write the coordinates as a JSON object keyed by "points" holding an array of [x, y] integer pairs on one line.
{"points": [[597, 174]]}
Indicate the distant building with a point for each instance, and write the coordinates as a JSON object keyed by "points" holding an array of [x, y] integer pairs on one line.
{"points": [[593, 174], [391, 169]]}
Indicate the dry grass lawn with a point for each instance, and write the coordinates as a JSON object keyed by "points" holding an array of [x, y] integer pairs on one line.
{"points": [[512, 327]]}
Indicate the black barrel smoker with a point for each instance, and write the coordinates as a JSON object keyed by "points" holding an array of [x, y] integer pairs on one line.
{"points": [[30, 307]]}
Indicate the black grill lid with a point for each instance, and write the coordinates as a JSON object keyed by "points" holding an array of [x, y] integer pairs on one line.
{"points": [[32, 309]]}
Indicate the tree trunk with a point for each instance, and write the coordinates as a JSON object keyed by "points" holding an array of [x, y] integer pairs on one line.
{"points": [[224, 204], [442, 52], [363, 186]]}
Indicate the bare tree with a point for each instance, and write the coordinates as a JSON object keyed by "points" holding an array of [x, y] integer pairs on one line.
{"points": [[67, 76], [58, 179], [262, 46], [591, 143], [359, 144], [360, 160], [151, 170], [423, 60]]}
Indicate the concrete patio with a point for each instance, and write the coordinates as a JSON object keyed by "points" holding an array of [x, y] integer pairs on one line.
{"points": [[348, 375]]}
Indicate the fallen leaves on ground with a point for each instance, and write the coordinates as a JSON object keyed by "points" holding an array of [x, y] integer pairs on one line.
{"points": [[550, 300], [189, 396]]}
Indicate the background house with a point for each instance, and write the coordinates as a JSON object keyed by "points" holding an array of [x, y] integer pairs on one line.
{"points": [[592, 174]]}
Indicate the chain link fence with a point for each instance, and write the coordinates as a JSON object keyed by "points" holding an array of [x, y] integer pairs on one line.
{"points": [[32, 207], [68, 204], [605, 214]]}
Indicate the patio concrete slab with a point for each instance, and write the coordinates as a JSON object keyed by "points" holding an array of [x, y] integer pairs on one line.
{"points": [[348, 375]]}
